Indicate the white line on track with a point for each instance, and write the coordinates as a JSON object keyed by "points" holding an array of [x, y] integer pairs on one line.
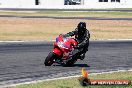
{"points": [[36, 81], [62, 77]]}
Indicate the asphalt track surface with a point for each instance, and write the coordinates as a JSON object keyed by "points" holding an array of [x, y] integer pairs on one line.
{"points": [[84, 18], [23, 62], [55, 17]]}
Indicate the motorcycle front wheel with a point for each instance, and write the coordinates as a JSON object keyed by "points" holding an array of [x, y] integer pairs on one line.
{"points": [[50, 59]]}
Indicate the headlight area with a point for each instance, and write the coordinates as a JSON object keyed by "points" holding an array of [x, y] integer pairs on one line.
{"points": [[60, 44]]}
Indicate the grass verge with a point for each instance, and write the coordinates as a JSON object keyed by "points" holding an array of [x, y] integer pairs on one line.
{"points": [[74, 83], [55, 13], [40, 29]]}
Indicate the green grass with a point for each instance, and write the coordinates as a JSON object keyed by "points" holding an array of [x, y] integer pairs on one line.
{"points": [[69, 14], [74, 83], [91, 14]]}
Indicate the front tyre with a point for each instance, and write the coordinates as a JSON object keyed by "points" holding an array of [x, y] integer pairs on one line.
{"points": [[49, 59]]}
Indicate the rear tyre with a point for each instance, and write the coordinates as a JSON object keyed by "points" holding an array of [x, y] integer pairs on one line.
{"points": [[50, 59]]}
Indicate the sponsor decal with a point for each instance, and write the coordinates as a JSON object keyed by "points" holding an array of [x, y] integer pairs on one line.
{"points": [[85, 81]]}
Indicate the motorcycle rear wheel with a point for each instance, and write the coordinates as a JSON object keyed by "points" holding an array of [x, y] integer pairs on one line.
{"points": [[50, 59]]}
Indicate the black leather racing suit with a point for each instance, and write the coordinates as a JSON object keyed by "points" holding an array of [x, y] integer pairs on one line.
{"points": [[82, 40]]}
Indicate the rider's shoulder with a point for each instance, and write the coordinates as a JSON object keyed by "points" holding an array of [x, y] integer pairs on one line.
{"points": [[86, 30]]}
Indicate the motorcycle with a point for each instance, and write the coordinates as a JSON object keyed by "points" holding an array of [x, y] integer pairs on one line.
{"points": [[61, 52]]}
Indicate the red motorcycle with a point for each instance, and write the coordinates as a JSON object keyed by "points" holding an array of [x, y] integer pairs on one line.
{"points": [[61, 52]]}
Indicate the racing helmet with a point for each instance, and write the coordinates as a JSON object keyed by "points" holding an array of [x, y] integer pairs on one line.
{"points": [[81, 27]]}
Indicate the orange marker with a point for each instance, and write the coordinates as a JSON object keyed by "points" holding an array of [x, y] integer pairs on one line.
{"points": [[84, 74]]}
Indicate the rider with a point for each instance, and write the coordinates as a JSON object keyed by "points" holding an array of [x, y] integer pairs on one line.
{"points": [[82, 36]]}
